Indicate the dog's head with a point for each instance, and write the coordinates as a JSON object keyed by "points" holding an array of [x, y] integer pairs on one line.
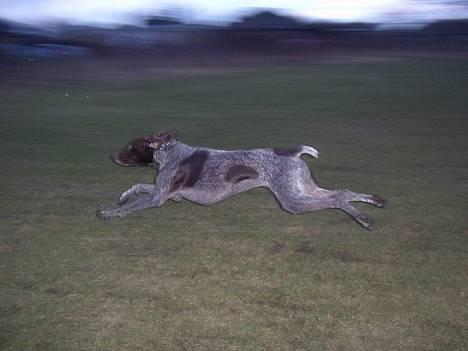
{"points": [[139, 151]]}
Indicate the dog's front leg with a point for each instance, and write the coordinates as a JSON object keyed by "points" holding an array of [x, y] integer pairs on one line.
{"points": [[135, 190], [154, 199]]}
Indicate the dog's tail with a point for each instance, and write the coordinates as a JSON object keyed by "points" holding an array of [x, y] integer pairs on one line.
{"points": [[309, 150]]}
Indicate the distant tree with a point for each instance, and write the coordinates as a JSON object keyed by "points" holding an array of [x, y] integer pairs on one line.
{"points": [[4, 26], [448, 27], [327, 27], [170, 15], [267, 20], [161, 21]]}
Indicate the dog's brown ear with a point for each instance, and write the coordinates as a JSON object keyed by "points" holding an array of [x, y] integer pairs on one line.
{"points": [[139, 151], [166, 136], [136, 153], [173, 133]]}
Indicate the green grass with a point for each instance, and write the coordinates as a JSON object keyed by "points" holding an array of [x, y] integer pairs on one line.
{"points": [[242, 274]]}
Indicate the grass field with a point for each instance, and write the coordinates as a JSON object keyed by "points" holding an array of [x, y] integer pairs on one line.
{"points": [[242, 274]]}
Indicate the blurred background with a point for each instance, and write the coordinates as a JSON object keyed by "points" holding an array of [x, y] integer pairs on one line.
{"points": [[207, 32], [379, 87]]}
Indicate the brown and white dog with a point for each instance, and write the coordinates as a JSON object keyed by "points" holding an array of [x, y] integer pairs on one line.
{"points": [[206, 176]]}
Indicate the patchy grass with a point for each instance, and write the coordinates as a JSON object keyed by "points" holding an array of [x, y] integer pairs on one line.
{"points": [[240, 275]]}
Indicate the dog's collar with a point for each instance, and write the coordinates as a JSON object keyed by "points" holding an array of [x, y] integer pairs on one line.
{"points": [[160, 147]]}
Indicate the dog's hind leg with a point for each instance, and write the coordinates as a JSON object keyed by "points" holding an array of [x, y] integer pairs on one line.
{"points": [[297, 203], [135, 190], [348, 195]]}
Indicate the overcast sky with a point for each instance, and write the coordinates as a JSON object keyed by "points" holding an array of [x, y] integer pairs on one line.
{"points": [[121, 11]]}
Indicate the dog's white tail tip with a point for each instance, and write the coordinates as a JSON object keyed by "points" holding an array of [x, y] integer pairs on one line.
{"points": [[310, 151]]}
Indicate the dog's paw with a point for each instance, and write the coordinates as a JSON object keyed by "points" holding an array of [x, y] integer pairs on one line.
{"points": [[378, 201], [102, 214], [365, 221]]}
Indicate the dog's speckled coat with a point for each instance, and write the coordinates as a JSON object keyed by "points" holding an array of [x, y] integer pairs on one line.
{"points": [[206, 176]]}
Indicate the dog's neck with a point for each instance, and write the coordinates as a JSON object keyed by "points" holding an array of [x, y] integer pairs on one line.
{"points": [[171, 151]]}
